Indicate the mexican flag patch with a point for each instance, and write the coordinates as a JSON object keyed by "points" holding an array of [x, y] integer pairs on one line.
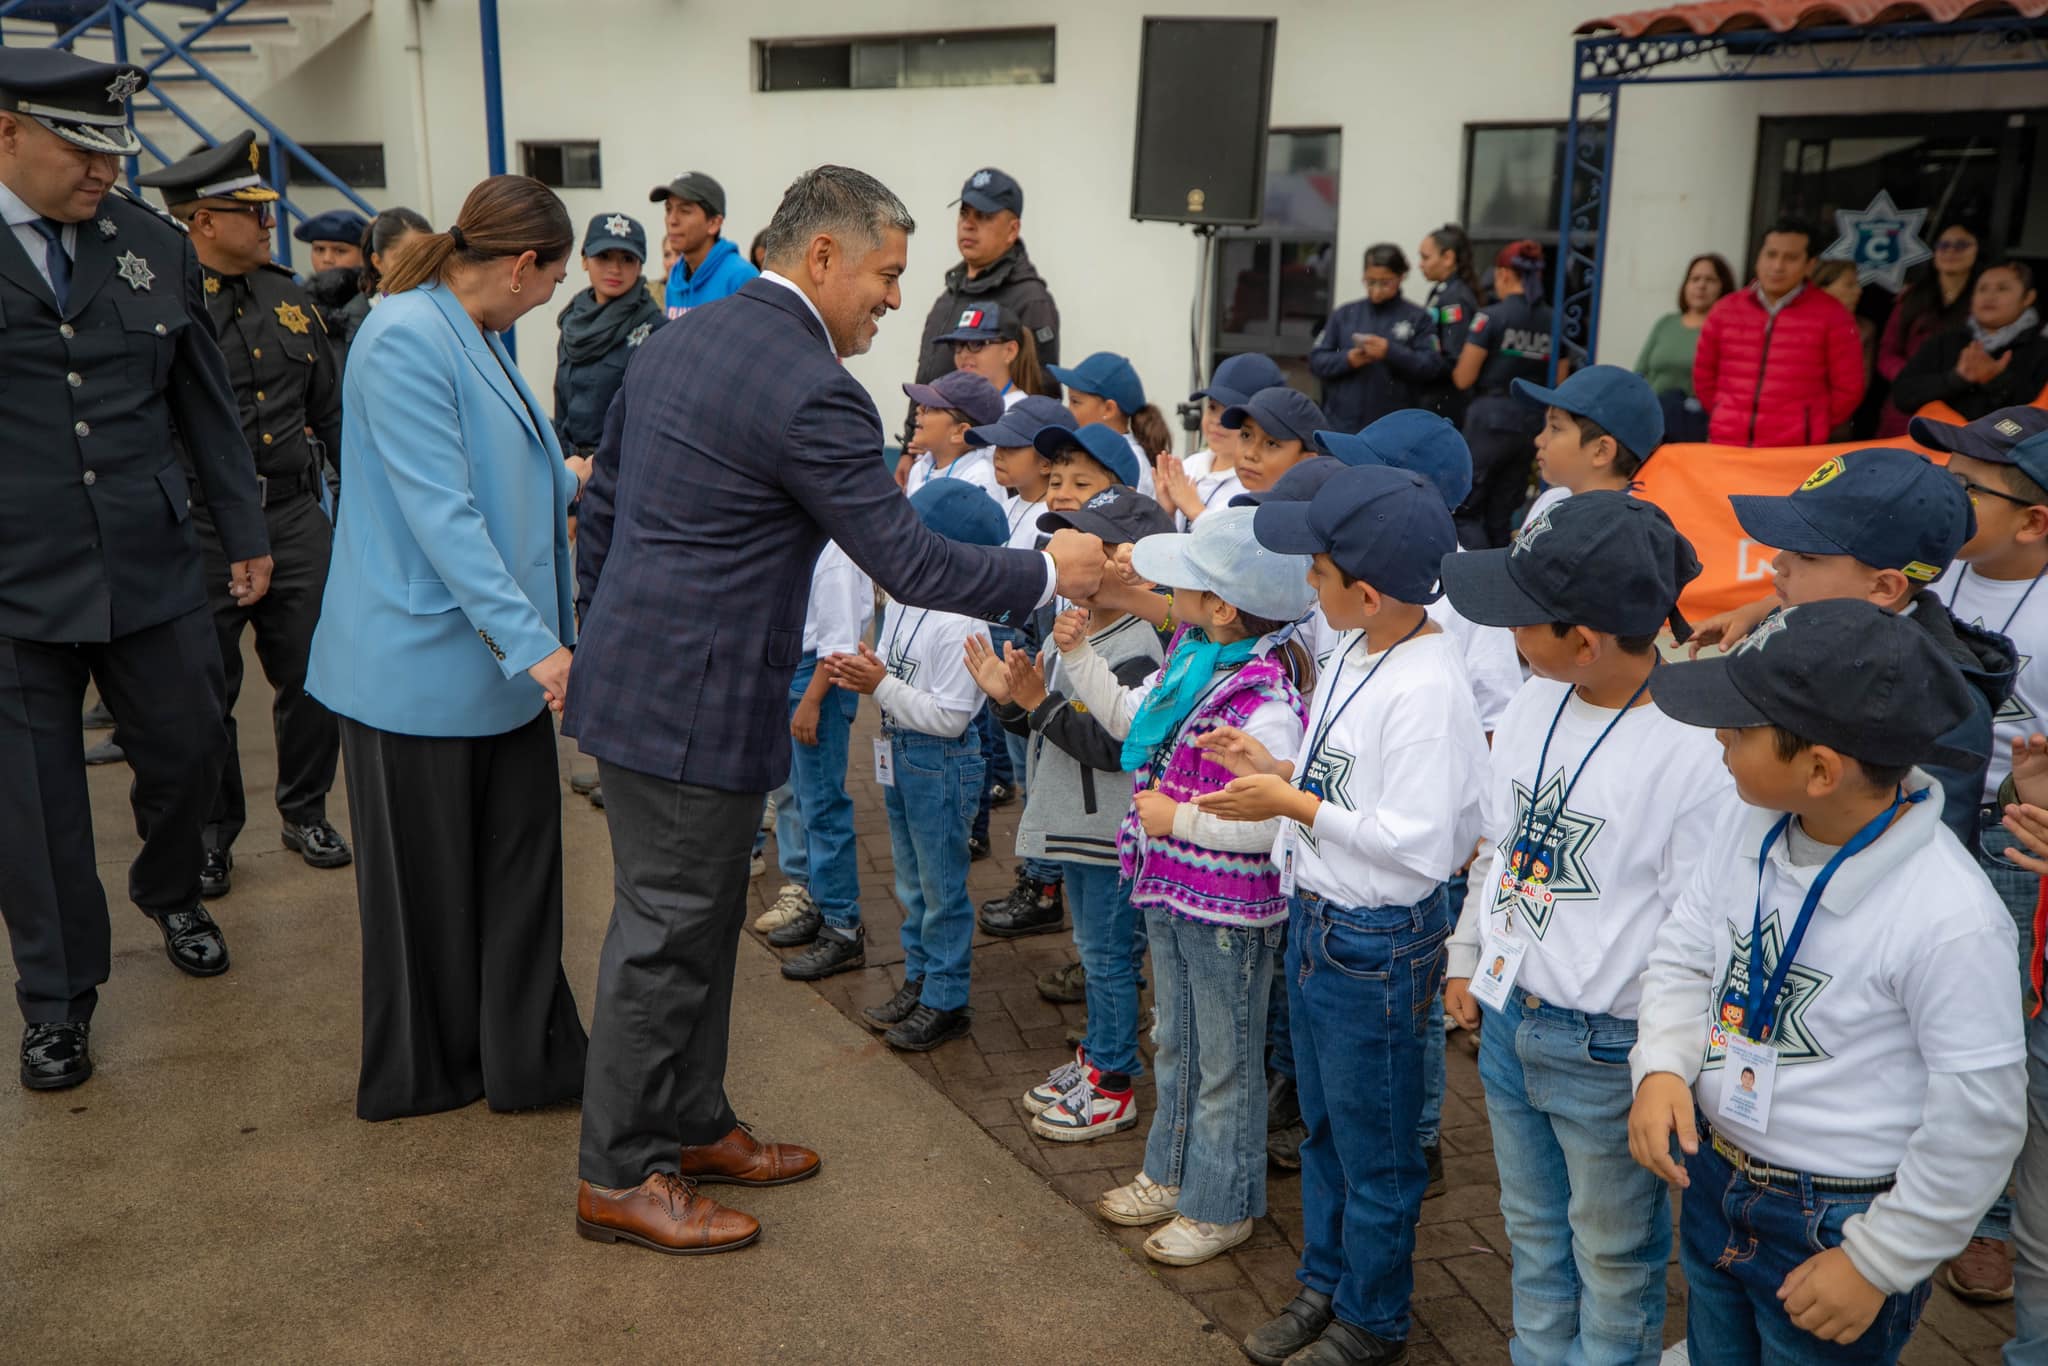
{"points": [[1451, 313]]}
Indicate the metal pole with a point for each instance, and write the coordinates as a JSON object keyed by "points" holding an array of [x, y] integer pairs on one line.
{"points": [[1202, 352], [280, 177], [494, 88], [1560, 293]]}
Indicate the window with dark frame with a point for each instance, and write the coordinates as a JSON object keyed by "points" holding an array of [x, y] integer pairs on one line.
{"points": [[563, 165], [907, 61], [358, 165], [1513, 175], [1276, 283]]}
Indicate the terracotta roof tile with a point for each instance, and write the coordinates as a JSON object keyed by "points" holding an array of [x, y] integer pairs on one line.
{"points": [[1782, 16]]}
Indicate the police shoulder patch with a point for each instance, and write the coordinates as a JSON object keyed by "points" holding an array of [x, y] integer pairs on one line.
{"points": [[1044, 335]]}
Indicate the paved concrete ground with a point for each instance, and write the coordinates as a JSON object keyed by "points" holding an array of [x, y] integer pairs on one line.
{"points": [[1462, 1301], [210, 1196]]}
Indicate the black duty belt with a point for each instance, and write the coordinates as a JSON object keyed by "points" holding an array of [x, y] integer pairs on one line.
{"points": [[277, 488]]}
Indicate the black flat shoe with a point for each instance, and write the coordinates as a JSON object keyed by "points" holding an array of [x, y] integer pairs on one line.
{"points": [[319, 843], [831, 952], [1299, 1324], [799, 931], [1433, 1158], [105, 752], [193, 942], [1032, 907], [977, 848], [55, 1056], [97, 717], [896, 1009], [217, 874], [925, 1029], [1346, 1344]]}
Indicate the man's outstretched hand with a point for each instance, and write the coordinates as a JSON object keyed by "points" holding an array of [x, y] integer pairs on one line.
{"points": [[1077, 559]]}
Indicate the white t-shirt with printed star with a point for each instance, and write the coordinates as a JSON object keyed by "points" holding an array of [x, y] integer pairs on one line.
{"points": [[928, 688], [2010, 608], [977, 467], [1492, 668]]}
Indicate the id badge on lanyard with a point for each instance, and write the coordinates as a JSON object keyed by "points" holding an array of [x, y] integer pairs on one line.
{"points": [[885, 763]]}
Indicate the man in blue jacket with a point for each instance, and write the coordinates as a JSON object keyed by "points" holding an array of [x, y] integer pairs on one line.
{"points": [[707, 266]]}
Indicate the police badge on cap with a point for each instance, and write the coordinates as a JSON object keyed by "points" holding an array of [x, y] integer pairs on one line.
{"points": [[83, 102]]}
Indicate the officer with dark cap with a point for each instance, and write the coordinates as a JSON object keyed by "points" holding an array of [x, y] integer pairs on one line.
{"points": [[286, 379], [707, 266], [106, 350], [994, 268]]}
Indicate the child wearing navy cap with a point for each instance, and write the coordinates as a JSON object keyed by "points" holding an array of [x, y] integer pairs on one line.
{"points": [[1840, 944], [1377, 809], [1105, 388], [1599, 427], [928, 762], [1208, 478], [1275, 426], [947, 409], [1882, 525], [1599, 811]]}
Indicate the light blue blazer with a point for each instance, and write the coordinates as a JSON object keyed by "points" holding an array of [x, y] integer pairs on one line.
{"points": [[451, 573]]}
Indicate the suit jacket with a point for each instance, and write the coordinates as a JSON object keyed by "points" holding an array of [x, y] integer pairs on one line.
{"points": [[737, 446], [451, 570], [96, 536]]}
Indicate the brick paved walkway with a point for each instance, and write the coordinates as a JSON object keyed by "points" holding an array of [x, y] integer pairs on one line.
{"points": [[1462, 1304]]}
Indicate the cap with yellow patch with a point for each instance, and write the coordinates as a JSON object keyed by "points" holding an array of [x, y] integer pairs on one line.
{"points": [[233, 170], [1886, 507]]}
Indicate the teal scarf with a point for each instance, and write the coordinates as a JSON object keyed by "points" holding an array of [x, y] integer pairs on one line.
{"points": [[1193, 663]]}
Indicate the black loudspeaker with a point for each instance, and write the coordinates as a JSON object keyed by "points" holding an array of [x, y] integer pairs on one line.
{"points": [[1205, 87]]}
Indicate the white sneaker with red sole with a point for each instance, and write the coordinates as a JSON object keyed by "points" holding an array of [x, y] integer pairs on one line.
{"points": [[1056, 1084], [1087, 1110]]}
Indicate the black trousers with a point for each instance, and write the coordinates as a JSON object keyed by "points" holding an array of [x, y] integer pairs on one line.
{"points": [[1502, 434], [163, 685], [459, 887], [301, 542], [658, 1033]]}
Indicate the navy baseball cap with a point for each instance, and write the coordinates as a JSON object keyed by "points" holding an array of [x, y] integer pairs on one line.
{"points": [[1842, 673], [1995, 438], [1601, 559], [982, 322], [992, 191], [1621, 401], [1388, 527], [1238, 378], [1280, 411], [960, 511], [1117, 514], [1105, 445], [1887, 507], [615, 232], [963, 391], [1409, 439], [1027, 417], [1106, 375], [1298, 485], [336, 225]]}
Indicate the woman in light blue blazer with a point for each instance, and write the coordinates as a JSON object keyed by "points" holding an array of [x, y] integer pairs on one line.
{"points": [[443, 642]]}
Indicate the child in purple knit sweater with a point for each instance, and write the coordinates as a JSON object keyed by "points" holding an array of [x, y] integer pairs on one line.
{"points": [[1206, 886]]}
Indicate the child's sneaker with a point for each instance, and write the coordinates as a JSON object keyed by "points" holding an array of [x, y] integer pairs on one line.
{"points": [[1056, 1084], [791, 902], [1095, 1105], [1144, 1201], [1189, 1242]]}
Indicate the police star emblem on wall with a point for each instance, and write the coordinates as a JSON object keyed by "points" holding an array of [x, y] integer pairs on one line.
{"points": [[134, 270], [1883, 240]]}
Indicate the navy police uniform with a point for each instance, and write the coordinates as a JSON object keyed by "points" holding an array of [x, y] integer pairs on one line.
{"points": [[1451, 306], [105, 349], [1515, 333], [287, 383]]}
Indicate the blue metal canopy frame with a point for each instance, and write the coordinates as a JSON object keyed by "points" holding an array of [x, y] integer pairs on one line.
{"points": [[1603, 64]]}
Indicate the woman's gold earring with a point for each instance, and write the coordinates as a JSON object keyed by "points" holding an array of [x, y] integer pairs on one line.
{"points": [[515, 286]]}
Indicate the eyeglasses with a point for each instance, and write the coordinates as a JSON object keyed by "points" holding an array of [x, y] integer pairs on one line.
{"points": [[973, 346], [260, 212], [1976, 491]]}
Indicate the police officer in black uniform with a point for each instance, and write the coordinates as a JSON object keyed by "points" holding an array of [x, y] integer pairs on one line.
{"points": [[106, 348], [1509, 339], [287, 382]]}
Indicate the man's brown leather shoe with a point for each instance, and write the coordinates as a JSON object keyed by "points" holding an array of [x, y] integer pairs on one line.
{"points": [[740, 1159], [664, 1213]]}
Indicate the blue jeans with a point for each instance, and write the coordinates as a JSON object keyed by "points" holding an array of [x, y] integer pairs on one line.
{"points": [[988, 741], [1591, 1230], [2016, 888], [1099, 901], [829, 865], [1359, 984], [930, 809], [1045, 870], [1208, 1135], [1737, 1241], [2029, 1345]]}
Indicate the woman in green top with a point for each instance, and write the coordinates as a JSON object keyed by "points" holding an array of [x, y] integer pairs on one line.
{"points": [[1666, 359]]}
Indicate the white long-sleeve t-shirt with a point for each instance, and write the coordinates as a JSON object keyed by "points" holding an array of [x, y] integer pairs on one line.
{"points": [[841, 606], [928, 687]]}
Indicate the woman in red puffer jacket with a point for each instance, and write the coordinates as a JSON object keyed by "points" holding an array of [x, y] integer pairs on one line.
{"points": [[1779, 374]]}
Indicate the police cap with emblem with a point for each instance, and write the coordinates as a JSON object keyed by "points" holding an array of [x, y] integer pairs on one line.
{"points": [[83, 102], [345, 226], [1118, 515], [615, 232], [1842, 673], [227, 171], [991, 191]]}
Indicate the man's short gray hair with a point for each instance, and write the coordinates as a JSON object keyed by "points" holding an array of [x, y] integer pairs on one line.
{"points": [[849, 205]]}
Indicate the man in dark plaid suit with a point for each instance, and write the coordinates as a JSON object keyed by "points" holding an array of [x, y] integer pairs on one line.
{"points": [[737, 446]]}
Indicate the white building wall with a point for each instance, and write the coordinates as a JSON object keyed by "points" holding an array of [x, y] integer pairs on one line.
{"points": [[667, 85]]}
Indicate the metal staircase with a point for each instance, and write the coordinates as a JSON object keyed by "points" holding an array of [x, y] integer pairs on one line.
{"points": [[208, 60]]}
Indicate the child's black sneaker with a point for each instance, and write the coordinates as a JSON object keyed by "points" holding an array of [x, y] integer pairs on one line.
{"points": [[1032, 907], [925, 1029], [1297, 1326], [897, 1008]]}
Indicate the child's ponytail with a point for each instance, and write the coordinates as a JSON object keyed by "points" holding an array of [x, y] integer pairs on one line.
{"points": [[1148, 425]]}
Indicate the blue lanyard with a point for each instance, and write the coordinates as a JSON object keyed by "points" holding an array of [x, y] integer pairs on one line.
{"points": [[1762, 1014], [1315, 744], [897, 630], [1529, 845]]}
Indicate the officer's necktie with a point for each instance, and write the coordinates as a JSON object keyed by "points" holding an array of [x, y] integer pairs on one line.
{"points": [[58, 259]]}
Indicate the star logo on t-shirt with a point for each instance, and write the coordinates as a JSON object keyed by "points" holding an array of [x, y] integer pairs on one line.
{"points": [[901, 665], [2012, 709], [1790, 1036], [1329, 777], [1543, 855]]}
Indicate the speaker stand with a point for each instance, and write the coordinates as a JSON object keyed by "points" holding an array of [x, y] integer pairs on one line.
{"points": [[1201, 345]]}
